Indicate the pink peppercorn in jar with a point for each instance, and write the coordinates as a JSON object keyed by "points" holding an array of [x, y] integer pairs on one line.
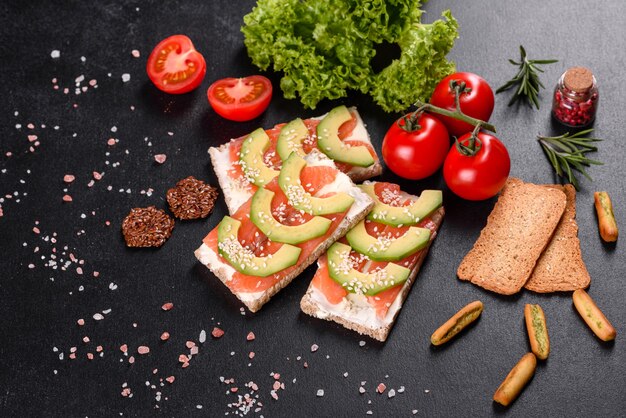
{"points": [[576, 97]]}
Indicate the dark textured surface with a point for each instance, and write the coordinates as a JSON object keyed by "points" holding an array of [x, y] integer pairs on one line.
{"points": [[583, 377]]}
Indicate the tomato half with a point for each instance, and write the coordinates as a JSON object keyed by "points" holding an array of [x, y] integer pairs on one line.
{"points": [[240, 99], [482, 175], [174, 65], [416, 154], [477, 103]]}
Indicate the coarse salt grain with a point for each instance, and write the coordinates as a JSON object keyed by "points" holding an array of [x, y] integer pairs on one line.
{"points": [[135, 53], [68, 178], [250, 336], [381, 388], [160, 158], [142, 349], [165, 336], [98, 316], [320, 392], [125, 77], [167, 306], [314, 348], [202, 336], [67, 198], [170, 379], [81, 322], [55, 53], [217, 332]]}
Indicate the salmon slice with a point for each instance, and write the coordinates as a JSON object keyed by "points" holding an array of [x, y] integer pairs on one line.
{"points": [[332, 290], [271, 157], [390, 194], [252, 238]]}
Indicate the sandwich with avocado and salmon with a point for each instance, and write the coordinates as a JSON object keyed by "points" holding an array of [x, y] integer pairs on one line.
{"points": [[283, 228], [364, 278], [245, 164]]}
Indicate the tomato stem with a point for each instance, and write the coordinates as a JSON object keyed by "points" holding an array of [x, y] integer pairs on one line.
{"points": [[474, 145], [409, 122], [455, 114]]}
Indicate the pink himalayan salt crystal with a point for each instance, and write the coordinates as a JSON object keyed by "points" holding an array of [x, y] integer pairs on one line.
{"points": [[68, 178], [250, 336], [143, 349], [160, 158], [217, 332], [67, 198]]}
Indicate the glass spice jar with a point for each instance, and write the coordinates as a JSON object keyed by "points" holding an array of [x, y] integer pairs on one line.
{"points": [[576, 97]]}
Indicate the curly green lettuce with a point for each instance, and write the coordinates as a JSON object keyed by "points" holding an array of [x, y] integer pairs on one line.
{"points": [[324, 48]]}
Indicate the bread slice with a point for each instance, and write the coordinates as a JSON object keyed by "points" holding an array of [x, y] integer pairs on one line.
{"points": [[561, 267], [518, 230], [361, 317], [238, 191], [255, 300]]}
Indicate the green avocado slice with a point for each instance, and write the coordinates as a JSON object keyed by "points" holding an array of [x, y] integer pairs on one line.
{"points": [[243, 260], [428, 202], [251, 158], [261, 215], [329, 143], [387, 249], [289, 182], [354, 281], [290, 139]]}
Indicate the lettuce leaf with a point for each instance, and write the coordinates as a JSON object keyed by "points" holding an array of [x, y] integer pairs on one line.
{"points": [[324, 48]]}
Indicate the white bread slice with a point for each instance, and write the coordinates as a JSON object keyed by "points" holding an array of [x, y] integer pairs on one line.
{"points": [[518, 230], [356, 314], [359, 209], [236, 192], [561, 267]]}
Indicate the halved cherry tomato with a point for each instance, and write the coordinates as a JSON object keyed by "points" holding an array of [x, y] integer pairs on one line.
{"points": [[240, 99], [477, 102], [174, 65], [415, 149], [479, 176]]}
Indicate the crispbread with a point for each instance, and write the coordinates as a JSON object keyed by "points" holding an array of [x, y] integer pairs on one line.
{"points": [[561, 267], [254, 301], [236, 191], [313, 307], [518, 230]]}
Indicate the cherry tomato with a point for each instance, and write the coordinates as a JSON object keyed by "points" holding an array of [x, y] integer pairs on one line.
{"points": [[482, 175], [240, 99], [174, 65], [477, 103], [416, 154]]}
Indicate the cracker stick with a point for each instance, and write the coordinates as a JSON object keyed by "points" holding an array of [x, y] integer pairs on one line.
{"points": [[537, 331], [593, 316], [515, 381], [454, 325], [606, 219]]}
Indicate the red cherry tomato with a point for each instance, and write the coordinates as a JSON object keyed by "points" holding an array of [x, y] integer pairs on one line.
{"points": [[174, 65], [477, 103], [416, 154], [482, 175], [240, 99]]}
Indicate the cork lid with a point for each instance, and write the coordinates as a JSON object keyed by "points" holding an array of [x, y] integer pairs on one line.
{"points": [[578, 79]]}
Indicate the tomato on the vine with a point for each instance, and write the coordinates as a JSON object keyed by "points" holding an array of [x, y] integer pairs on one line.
{"points": [[414, 148], [479, 176], [476, 99], [174, 65], [240, 99]]}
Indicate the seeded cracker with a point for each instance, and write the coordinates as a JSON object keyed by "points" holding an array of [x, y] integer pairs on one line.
{"points": [[192, 199], [147, 227]]}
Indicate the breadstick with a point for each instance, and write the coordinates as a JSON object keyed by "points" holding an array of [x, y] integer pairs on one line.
{"points": [[606, 219], [593, 316], [537, 331], [454, 325], [516, 380]]}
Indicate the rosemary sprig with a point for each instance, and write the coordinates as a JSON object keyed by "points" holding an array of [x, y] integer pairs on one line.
{"points": [[527, 79], [567, 153]]}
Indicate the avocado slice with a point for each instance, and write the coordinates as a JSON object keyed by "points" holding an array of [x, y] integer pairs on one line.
{"points": [[243, 260], [251, 158], [329, 143], [354, 281], [290, 139], [387, 249], [289, 182], [428, 202], [261, 215]]}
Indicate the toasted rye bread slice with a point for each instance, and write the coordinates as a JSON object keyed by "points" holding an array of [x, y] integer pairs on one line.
{"points": [[238, 191], [518, 230], [561, 267], [255, 300], [314, 303]]}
